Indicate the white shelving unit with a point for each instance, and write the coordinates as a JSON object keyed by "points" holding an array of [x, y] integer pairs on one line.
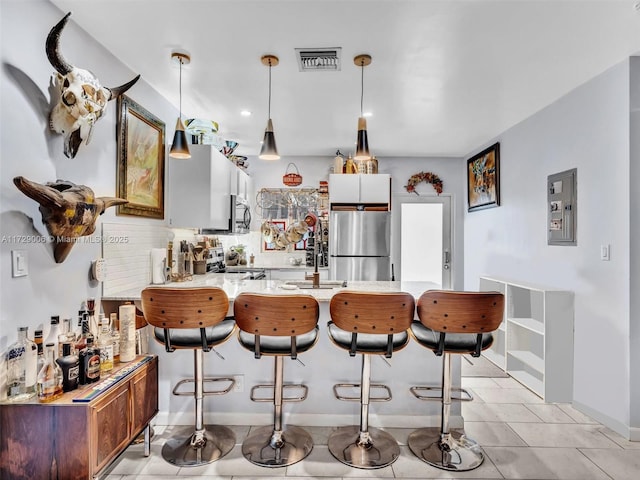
{"points": [[534, 343]]}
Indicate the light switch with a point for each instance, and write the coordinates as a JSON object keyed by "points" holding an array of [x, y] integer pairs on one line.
{"points": [[19, 263], [605, 253]]}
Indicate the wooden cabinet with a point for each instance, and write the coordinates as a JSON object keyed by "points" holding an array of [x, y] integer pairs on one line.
{"points": [[534, 344], [360, 188], [71, 440]]}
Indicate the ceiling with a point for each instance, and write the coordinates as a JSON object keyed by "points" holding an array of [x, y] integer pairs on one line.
{"points": [[446, 76]]}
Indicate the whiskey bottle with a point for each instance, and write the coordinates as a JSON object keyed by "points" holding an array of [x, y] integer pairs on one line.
{"points": [[105, 344], [66, 336], [89, 363], [115, 336], [70, 366], [50, 376], [21, 359], [54, 333], [37, 339]]}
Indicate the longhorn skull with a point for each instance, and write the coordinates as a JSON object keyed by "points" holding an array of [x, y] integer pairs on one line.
{"points": [[69, 211], [82, 98]]}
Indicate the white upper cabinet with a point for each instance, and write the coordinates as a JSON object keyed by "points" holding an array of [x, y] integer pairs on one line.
{"points": [[200, 188], [360, 188]]}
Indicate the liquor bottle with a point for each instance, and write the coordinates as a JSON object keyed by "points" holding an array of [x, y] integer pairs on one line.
{"points": [[37, 339], [54, 333], [21, 360], [89, 363], [70, 365], [93, 324], [66, 336], [115, 336], [105, 344], [127, 314], [50, 376]]}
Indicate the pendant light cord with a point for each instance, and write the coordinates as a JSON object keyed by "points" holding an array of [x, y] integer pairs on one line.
{"points": [[361, 87], [269, 88], [180, 89]]}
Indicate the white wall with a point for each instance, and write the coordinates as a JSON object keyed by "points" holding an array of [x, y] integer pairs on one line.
{"points": [[587, 129], [30, 149]]}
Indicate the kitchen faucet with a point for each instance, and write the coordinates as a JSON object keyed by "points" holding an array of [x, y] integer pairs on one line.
{"points": [[316, 275]]}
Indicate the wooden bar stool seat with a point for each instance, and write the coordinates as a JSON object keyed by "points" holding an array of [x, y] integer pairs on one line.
{"points": [[278, 326], [367, 324], [192, 318], [453, 323]]}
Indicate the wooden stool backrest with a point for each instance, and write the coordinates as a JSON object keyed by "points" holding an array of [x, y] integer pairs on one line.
{"points": [[461, 312], [276, 315], [165, 307], [374, 312]]}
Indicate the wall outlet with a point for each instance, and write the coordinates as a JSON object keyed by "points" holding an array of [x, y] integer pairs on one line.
{"points": [[239, 385]]}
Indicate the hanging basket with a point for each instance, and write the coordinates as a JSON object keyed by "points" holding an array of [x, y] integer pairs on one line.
{"points": [[292, 179]]}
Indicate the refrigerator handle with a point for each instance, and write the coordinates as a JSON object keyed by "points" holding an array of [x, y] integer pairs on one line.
{"points": [[393, 275]]}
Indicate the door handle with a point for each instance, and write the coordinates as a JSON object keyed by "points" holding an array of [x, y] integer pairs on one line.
{"points": [[446, 260]]}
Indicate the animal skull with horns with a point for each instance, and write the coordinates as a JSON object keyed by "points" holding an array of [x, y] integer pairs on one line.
{"points": [[82, 98]]}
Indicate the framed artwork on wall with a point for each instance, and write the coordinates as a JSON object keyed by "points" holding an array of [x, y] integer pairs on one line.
{"points": [[141, 150], [483, 179]]}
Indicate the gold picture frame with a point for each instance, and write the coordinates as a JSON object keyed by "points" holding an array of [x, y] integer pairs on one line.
{"points": [[141, 155], [483, 179]]}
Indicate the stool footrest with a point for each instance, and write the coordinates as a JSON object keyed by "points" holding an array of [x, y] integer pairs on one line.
{"points": [[457, 393], [347, 398], [285, 387], [191, 393]]}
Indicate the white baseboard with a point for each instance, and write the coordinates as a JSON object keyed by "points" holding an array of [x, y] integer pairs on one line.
{"points": [[630, 433]]}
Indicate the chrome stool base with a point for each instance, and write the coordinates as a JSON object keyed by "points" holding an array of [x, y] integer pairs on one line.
{"points": [[268, 448], [379, 451], [456, 454], [186, 450]]}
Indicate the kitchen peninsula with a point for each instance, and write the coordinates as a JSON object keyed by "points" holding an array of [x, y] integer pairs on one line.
{"points": [[320, 368]]}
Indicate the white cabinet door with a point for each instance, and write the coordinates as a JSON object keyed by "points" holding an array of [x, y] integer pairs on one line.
{"points": [[199, 189], [375, 188], [357, 188]]}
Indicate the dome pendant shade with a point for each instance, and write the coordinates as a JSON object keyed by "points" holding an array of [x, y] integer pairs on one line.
{"points": [[179, 146], [269, 150], [362, 144]]}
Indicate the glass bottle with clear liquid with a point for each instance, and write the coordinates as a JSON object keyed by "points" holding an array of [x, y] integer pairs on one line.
{"points": [[50, 376], [105, 344], [22, 360]]}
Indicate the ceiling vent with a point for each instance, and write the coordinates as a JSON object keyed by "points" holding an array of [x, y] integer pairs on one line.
{"points": [[315, 59]]}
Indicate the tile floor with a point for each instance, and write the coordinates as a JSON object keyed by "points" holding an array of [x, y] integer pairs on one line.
{"points": [[523, 438]]}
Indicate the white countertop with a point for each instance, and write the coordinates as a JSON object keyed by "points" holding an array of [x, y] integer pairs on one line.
{"points": [[233, 286]]}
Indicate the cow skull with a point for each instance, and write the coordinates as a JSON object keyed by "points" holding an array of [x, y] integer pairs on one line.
{"points": [[69, 211], [82, 98]]}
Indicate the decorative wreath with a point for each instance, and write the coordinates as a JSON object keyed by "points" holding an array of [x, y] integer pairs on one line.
{"points": [[428, 177]]}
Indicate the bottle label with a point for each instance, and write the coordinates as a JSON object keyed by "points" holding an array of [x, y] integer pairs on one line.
{"points": [[93, 367], [74, 372]]}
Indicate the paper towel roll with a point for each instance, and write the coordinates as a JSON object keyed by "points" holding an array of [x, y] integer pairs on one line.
{"points": [[158, 257]]}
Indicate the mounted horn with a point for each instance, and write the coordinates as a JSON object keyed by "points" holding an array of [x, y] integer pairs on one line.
{"points": [[117, 91], [69, 211], [53, 48]]}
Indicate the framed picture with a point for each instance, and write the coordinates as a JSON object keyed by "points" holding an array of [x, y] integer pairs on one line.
{"points": [[483, 179], [141, 148]]}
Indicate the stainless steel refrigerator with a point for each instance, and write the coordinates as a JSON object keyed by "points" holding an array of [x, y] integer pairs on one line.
{"points": [[360, 246]]}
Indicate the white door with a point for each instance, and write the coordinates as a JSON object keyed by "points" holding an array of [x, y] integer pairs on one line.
{"points": [[421, 241]]}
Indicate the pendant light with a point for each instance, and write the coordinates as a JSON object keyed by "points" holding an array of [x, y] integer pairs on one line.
{"points": [[269, 151], [362, 144], [180, 147]]}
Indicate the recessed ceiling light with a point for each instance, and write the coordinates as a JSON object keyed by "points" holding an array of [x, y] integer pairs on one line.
{"points": [[245, 113]]}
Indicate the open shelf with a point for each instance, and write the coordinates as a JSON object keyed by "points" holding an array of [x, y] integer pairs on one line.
{"points": [[534, 315], [529, 323]]}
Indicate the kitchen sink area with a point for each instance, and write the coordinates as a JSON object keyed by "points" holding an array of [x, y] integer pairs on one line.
{"points": [[324, 284]]}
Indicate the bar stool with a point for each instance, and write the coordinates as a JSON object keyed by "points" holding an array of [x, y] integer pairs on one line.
{"points": [[453, 323], [192, 318], [278, 326], [369, 324]]}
